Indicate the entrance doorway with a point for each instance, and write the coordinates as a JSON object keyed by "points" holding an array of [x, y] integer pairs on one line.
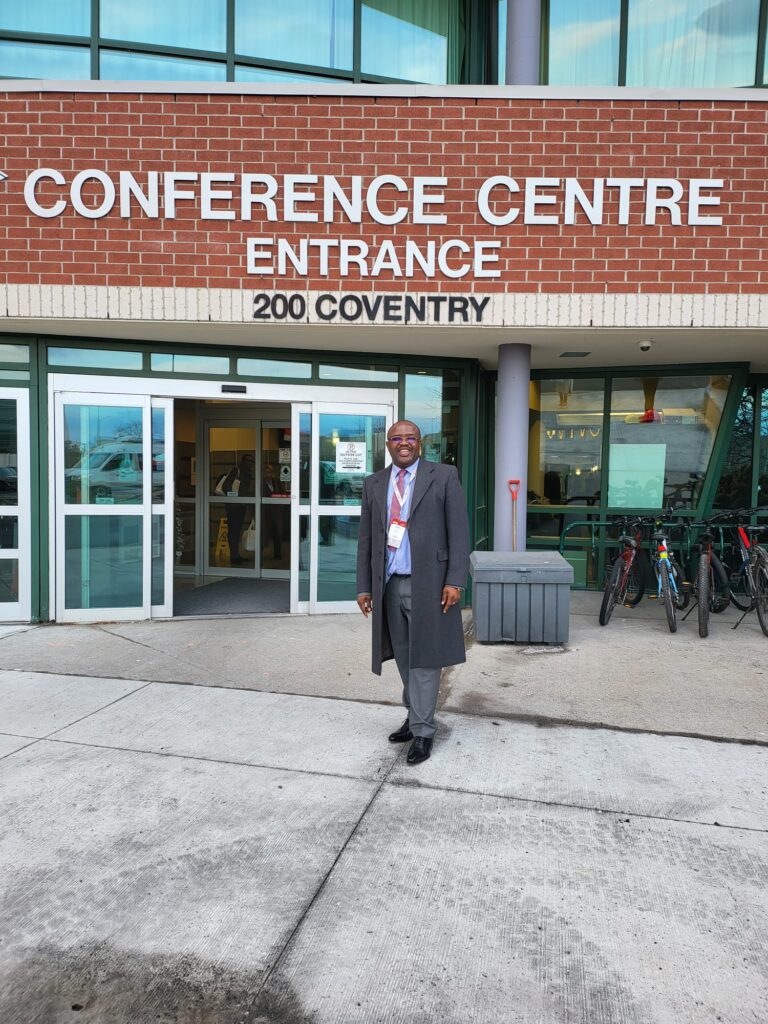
{"points": [[180, 501]]}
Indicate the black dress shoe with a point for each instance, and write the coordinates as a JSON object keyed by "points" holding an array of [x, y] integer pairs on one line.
{"points": [[420, 750], [401, 735]]}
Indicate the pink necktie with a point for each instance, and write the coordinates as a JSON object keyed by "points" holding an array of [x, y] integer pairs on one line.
{"points": [[395, 506]]}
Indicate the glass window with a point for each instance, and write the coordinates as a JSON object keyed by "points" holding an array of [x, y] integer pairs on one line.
{"points": [[103, 561], [432, 403], [762, 471], [14, 353], [501, 28], [14, 375], [51, 16], [9, 580], [245, 73], [662, 433], [195, 24], [44, 60], [565, 441], [9, 532], [158, 458], [583, 46], [9, 460], [696, 44], [419, 40], [158, 560], [351, 447], [317, 32], [735, 487], [94, 358], [305, 539], [357, 373], [337, 557], [103, 455], [144, 67], [162, 362], [273, 368]]}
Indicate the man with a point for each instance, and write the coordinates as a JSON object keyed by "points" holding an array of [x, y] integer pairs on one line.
{"points": [[412, 563]]}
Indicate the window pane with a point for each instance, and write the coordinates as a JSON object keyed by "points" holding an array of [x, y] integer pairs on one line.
{"points": [[697, 44], [14, 353], [584, 42], [103, 560], [161, 362], [337, 557], [9, 480], [9, 580], [432, 403], [158, 559], [158, 457], [340, 482], [230, 525], [315, 32], [501, 28], [357, 373], [195, 24], [662, 433], [72, 18], [141, 67], [273, 368], [41, 60], [244, 73], [305, 537], [9, 532], [419, 40], [762, 472], [14, 375], [95, 358], [735, 488], [565, 442], [103, 455], [184, 534]]}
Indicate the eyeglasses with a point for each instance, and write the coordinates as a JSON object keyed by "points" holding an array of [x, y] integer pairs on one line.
{"points": [[397, 439]]}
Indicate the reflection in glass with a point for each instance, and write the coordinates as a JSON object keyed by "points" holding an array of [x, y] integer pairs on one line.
{"points": [[44, 60], [305, 536], [276, 462], [97, 359], [232, 530], [315, 32], [432, 403], [565, 440], [103, 455], [184, 535], [735, 487], [158, 456], [370, 373], [158, 560], [14, 353], [9, 475], [194, 24], [143, 67], [337, 557], [419, 40], [662, 433], [9, 580], [273, 368], [51, 16], [696, 44], [584, 42], [762, 471], [305, 456], [9, 532], [14, 375], [245, 73], [164, 362], [103, 561], [501, 29], [351, 447]]}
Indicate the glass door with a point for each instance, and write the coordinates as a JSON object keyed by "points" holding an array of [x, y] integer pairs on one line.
{"points": [[114, 510], [337, 447], [15, 527]]}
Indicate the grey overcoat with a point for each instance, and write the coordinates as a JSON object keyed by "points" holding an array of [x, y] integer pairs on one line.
{"points": [[439, 536]]}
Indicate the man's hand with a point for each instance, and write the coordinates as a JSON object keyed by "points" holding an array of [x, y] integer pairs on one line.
{"points": [[364, 604], [451, 596]]}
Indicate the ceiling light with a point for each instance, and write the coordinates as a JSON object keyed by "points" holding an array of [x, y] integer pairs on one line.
{"points": [[573, 355]]}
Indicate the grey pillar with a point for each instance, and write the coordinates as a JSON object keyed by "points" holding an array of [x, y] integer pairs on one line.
{"points": [[512, 397], [523, 42]]}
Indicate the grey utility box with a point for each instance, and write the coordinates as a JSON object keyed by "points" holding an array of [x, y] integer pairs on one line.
{"points": [[521, 596]]}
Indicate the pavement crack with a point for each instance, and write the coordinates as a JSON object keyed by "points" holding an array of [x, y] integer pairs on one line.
{"points": [[96, 711]]}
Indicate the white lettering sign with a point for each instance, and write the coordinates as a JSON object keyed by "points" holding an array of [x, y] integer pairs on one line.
{"points": [[350, 457]]}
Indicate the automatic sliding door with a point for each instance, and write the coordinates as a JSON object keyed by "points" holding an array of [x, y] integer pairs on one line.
{"points": [[15, 531]]}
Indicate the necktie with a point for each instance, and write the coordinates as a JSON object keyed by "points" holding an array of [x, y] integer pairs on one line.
{"points": [[395, 507]]}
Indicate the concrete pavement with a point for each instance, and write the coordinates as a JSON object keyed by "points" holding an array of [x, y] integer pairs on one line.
{"points": [[212, 854]]}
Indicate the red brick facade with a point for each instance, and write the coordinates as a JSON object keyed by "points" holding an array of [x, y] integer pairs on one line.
{"points": [[467, 140]]}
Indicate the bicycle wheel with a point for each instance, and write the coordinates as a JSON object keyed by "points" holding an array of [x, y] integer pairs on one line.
{"points": [[703, 593], [635, 589], [740, 590], [668, 596], [760, 573], [611, 591], [682, 597], [720, 598]]}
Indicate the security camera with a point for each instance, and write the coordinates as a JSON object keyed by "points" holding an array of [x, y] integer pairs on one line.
{"points": [[645, 346]]}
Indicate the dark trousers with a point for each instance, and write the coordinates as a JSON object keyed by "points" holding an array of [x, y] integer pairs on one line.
{"points": [[420, 685]]}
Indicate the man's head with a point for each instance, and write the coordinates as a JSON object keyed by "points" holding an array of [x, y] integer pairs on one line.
{"points": [[404, 443]]}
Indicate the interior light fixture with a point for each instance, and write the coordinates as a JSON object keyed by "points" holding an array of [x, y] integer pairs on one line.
{"points": [[574, 355]]}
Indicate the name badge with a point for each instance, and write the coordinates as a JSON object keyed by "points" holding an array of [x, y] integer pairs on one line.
{"points": [[396, 533]]}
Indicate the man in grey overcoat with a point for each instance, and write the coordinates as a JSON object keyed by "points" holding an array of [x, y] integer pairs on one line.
{"points": [[412, 564]]}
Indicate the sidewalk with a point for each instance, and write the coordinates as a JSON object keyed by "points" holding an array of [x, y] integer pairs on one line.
{"points": [[200, 852]]}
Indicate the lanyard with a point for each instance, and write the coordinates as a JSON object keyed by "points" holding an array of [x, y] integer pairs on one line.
{"points": [[402, 498]]}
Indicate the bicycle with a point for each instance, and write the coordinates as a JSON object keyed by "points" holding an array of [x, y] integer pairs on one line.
{"points": [[626, 575], [749, 583], [708, 576], [672, 586]]}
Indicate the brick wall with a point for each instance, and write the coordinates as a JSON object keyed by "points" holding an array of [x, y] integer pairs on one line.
{"points": [[467, 140]]}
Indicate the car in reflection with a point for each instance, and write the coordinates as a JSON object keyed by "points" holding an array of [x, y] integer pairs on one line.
{"points": [[9, 485], [114, 475], [340, 488]]}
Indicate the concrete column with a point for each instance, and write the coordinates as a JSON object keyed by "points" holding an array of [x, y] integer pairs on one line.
{"points": [[523, 42], [511, 443]]}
